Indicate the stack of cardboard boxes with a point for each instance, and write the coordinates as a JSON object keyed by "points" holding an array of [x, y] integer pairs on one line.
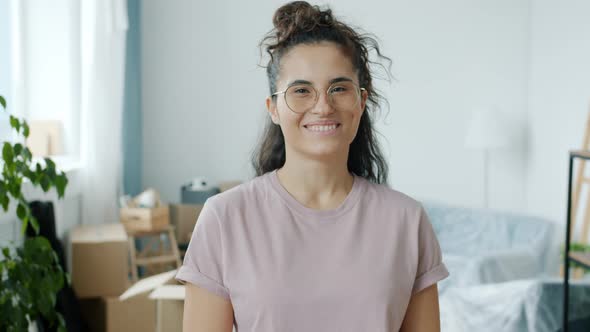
{"points": [[100, 272], [100, 278]]}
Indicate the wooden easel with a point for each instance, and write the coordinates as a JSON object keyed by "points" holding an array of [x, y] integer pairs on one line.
{"points": [[580, 180]]}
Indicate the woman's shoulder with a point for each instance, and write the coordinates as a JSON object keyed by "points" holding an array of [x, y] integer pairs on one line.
{"points": [[387, 196], [248, 192]]}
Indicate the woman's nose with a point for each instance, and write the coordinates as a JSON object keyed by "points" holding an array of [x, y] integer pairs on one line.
{"points": [[323, 105]]}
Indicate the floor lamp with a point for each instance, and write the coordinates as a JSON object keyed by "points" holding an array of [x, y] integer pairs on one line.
{"points": [[486, 131]]}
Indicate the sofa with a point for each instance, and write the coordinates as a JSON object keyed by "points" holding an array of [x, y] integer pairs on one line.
{"points": [[504, 271]]}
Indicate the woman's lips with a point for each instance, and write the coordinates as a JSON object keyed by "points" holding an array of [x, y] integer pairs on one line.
{"points": [[323, 130]]}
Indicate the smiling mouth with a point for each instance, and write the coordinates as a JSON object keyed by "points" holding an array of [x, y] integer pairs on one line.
{"points": [[322, 126]]}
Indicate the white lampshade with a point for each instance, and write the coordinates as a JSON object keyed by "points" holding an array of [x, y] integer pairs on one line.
{"points": [[487, 130]]}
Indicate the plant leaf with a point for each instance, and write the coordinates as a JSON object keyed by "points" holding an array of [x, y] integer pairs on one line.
{"points": [[14, 123], [62, 323], [18, 148], [5, 200], [27, 153], [15, 189], [24, 225], [3, 102], [34, 223], [21, 211], [21, 167], [49, 164], [6, 252], [25, 129], [45, 184], [60, 183], [7, 153]]}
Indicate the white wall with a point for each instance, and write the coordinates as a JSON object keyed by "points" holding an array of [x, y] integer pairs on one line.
{"points": [[203, 95], [559, 99]]}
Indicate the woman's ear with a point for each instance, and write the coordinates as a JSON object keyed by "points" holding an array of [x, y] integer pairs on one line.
{"points": [[271, 107], [364, 96]]}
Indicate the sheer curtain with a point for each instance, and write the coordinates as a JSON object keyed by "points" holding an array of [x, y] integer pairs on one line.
{"points": [[103, 28], [68, 64]]}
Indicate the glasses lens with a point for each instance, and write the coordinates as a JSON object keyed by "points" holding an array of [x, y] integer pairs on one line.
{"points": [[300, 98], [344, 96]]}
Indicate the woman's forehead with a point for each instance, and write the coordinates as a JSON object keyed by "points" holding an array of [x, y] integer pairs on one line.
{"points": [[314, 57], [316, 63]]}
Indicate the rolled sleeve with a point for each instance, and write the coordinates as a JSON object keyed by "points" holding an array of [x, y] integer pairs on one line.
{"points": [[203, 261], [431, 268]]}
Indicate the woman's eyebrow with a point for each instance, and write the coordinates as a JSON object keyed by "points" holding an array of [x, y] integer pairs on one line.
{"points": [[298, 82], [340, 79], [332, 81]]}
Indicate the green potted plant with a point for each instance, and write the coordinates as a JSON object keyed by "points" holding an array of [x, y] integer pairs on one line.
{"points": [[30, 275]]}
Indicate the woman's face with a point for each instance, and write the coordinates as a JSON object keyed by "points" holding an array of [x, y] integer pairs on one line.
{"points": [[319, 65]]}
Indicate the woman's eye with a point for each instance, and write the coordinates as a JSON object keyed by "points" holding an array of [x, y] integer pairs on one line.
{"points": [[301, 90], [338, 89]]}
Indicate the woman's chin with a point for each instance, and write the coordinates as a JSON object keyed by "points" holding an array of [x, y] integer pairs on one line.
{"points": [[323, 151]]}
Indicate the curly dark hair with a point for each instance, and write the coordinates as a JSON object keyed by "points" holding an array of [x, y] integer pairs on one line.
{"points": [[299, 22]]}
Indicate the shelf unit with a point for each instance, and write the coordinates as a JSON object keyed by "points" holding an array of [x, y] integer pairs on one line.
{"points": [[583, 259]]}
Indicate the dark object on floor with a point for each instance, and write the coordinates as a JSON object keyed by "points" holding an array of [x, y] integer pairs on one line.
{"points": [[580, 325], [66, 302]]}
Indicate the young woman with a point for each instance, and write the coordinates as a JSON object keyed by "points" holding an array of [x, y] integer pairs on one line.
{"points": [[317, 241]]}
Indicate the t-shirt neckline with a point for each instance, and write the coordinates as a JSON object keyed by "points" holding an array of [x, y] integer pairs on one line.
{"points": [[315, 214]]}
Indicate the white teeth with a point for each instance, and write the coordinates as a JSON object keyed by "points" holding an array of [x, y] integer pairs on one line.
{"points": [[322, 128]]}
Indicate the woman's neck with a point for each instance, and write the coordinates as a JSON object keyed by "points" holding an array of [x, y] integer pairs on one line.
{"points": [[316, 185]]}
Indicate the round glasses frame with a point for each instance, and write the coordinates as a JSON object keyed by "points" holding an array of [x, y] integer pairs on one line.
{"points": [[317, 95]]}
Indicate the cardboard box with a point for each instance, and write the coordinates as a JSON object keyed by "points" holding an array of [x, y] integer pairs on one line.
{"points": [[184, 217], [45, 138], [169, 301], [169, 298], [100, 265], [136, 219], [131, 311], [109, 314]]}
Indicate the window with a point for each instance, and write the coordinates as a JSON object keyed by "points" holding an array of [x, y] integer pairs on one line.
{"points": [[5, 67], [40, 70]]}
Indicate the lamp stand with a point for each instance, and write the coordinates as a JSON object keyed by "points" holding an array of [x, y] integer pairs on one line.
{"points": [[486, 175]]}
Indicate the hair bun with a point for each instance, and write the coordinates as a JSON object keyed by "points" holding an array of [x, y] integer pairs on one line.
{"points": [[299, 16]]}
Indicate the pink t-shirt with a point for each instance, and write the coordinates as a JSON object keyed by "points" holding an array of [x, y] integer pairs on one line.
{"points": [[286, 267]]}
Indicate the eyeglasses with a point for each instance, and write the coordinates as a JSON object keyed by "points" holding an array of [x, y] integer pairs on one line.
{"points": [[343, 96]]}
